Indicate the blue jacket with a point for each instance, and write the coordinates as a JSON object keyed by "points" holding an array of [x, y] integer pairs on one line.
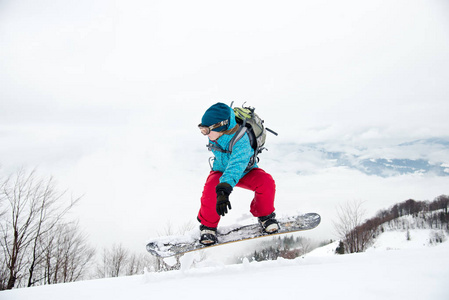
{"points": [[232, 165]]}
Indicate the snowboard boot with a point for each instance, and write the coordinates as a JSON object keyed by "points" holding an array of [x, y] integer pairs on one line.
{"points": [[269, 223], [208, 235]]}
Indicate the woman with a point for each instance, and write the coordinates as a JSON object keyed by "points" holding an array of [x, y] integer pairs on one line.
{"points": [[230, 170]]}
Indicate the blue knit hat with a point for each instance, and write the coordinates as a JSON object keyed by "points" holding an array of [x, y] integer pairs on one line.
{"points": [[215, 114]]}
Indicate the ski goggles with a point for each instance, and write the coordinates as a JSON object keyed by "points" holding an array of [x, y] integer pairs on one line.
{"points": [[205, 130]]}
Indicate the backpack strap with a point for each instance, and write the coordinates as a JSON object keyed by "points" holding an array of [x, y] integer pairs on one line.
{"points": [[238, 135], [217, 147]]}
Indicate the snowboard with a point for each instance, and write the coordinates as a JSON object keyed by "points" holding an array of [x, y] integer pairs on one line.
{"points": [[176, 245]]}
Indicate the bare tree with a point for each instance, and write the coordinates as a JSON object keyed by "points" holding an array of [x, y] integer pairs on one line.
{"points": [[3, 268], [306, 246], [33, 207], [114, 262], [169, 228], [349, 218], [67, 255], [137, 263], [119, 260]]}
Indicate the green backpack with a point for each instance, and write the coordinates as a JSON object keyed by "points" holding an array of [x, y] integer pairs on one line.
{"points": [[251, 124]]}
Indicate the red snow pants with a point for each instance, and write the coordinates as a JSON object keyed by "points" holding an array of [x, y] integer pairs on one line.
{"points": [[256, 180]]}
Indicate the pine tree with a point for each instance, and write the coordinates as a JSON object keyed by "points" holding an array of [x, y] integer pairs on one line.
{"points": [[341, 248]]}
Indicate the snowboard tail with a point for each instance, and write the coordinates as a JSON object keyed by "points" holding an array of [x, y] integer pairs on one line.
{"points": [[174, 245]]}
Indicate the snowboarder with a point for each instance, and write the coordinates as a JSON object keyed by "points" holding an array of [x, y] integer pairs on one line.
{"points": [[230, 170]]}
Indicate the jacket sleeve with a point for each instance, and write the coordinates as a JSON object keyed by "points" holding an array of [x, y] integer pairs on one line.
{"points": [[238, 161]]}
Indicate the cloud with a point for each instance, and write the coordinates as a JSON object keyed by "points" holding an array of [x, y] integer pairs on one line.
{"points": [[106, 96]]}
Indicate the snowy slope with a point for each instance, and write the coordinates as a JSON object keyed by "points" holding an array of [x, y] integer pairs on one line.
{"points": [[410, 273], [397, 240]]}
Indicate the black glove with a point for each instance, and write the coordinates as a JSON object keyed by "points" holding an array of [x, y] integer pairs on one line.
{"points": [[223, 191]]}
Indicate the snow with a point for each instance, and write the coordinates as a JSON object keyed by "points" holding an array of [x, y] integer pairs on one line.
{"points": [[123, 134], [413, 271], [397, 240], [94, 130]]}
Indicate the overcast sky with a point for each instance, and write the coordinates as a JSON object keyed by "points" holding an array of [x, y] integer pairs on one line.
{"points": [[106, 96]]}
